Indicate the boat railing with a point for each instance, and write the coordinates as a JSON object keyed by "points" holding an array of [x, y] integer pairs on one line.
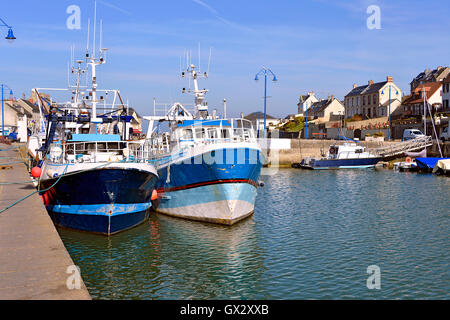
{"points": [[98, 151], [405, 146], [238, 131], [351, 155]]}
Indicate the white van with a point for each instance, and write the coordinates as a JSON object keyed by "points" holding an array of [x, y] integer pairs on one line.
{"points": [[412, 134], [445, 135]]}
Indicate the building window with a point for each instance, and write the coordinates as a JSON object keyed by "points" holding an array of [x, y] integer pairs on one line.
{"points": [[364, 100], [374, 99], [369, 102]]}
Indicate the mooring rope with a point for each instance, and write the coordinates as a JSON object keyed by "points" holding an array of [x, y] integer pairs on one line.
{"points": [[34, 192]]}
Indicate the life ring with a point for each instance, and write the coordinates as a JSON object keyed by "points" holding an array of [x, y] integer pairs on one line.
{"points": [[332, 150], [408, 160]]}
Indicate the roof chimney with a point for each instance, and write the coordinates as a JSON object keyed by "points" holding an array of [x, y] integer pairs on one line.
{"points": [[390, 79], [332, 97], [354, 85], [371, 82]]}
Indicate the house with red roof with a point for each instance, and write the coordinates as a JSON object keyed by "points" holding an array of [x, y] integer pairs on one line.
{"points": [[414, 105], [446, 95]]}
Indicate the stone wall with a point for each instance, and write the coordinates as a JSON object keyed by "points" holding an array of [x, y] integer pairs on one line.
{"points": [[308, 148]]}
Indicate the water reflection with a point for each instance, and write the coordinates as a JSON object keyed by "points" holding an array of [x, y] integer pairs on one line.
{"points": [[169, 258], [313, 236]]}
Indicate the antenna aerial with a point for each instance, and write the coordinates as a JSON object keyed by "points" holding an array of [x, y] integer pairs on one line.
{"points": [[101, 36], [209, 60], [87, 44], [199, 57], [95, 22]]}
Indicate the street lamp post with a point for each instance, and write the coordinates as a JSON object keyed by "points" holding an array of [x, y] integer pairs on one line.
{"points": [[306, 127], [389, 133], [3, 119], [266, 72], [3, 112], [389, 111], [10, 36]]}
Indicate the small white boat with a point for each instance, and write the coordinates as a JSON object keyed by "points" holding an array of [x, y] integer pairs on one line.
{"points": [[345, 156]]}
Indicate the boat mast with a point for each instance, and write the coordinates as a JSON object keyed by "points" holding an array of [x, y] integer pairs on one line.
{"points": [[432, 123], [93, 62], [201, 107]]}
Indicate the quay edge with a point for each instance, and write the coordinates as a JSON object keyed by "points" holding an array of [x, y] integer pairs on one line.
{"points": [[34, 264]]}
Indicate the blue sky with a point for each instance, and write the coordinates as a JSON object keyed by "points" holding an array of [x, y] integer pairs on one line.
{"points": [[319, 45]]}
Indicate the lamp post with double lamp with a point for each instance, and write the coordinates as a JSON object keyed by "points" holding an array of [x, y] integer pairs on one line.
{"points": [[389, 110], [265, 71], [340, 114], [10, 36], [306, 127], [3, 112]]}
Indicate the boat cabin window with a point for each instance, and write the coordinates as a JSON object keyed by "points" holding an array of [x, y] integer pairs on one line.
{"points": [[186, 134], [359, 150], [334, 150], [200, 133], [212, 133], [225, 133]]}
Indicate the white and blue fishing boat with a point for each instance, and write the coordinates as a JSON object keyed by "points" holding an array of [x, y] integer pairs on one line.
{"points": [[208, 167], [92, 177], [343, 156]]}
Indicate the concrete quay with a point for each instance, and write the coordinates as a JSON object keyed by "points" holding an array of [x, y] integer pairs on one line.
{"points": [[34, 264]]}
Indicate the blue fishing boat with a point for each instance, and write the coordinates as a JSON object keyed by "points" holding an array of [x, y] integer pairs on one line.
{"points": [[96, 186], [345, 156], [427, 164], [208, 167], [92, 177]]}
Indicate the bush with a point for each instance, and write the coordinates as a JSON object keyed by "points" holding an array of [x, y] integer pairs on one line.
{"points": [[294, 126], [378, 134]]}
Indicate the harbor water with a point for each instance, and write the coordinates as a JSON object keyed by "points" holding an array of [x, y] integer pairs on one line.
{"points": [[313, 236]]}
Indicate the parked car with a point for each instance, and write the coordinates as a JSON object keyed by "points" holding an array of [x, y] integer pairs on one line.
{"points": [[412, 134], [445, 135], [10, 133], [12, 136]]}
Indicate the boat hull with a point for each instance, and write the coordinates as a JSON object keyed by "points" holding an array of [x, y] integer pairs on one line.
{"points": [[222, 192], [106, 201], [427, 164], [329, 164], [222, 203]]}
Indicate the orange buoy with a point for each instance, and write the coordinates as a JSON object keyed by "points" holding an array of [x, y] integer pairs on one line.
{"points": [[154, 195], [36, 172], [408, 159]]}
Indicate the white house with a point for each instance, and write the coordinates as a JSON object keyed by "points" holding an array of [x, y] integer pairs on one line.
{"points": [[372, 100], [321, 111], [16, 118], [305, 102]]}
